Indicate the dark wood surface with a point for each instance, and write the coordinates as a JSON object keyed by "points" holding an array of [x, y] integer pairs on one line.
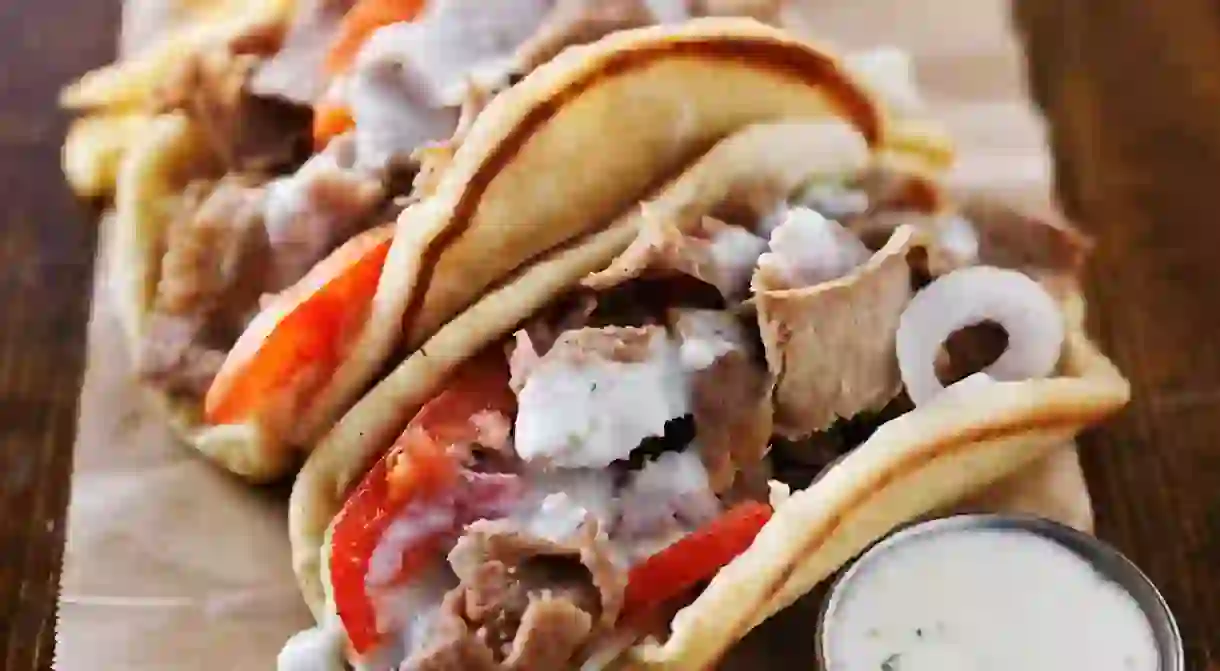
{"points": [[46, 259], [1133, 89]]}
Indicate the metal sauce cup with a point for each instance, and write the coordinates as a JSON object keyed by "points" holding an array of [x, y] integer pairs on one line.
{"points": [[1106, 560]]}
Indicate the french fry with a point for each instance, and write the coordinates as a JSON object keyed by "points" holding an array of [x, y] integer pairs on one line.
{"points": [[128, 85], [94, 149], [162, 158]]}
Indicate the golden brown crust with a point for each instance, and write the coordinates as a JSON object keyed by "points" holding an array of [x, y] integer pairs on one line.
{"points": [[619, 102]]}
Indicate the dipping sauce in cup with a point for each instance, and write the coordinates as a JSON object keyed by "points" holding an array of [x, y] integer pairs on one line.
{"points": [[995, 593]]}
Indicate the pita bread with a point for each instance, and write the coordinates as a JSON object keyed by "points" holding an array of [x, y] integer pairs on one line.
{"points": [[562, 152], [920, 462], [923, 461], [491, 213]]}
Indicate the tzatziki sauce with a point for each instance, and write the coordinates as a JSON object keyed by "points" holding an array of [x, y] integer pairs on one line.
{"points": [[974, 599]]}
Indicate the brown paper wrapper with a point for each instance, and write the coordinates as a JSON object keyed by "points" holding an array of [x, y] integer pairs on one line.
{"points": [[172, 564]]}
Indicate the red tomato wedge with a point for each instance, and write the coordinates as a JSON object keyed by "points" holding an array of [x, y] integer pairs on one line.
{"points": [[329, 122], [672, 571], [360, 22], [298, 340], [421, 471]]}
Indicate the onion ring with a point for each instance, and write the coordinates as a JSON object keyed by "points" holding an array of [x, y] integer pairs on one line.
{"points": [[968, 297]]}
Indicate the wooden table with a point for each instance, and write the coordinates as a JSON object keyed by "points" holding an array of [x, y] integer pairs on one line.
{"points": [[1133, 88]]}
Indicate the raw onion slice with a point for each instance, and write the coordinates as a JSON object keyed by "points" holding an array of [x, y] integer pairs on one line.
{"points": [[968, 297]]}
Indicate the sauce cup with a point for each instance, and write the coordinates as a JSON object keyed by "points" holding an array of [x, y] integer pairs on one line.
{"points": [[1108, 562]]}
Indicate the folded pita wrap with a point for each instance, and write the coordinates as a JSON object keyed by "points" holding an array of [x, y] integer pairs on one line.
{"points": [[924, 460], [637, 105]]}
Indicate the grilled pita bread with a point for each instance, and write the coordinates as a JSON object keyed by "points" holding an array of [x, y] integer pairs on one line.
{"points": [[637, 105], [923, 461]]}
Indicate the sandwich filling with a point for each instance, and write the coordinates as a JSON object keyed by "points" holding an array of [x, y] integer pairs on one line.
{"points": [[591, 472], [317, 135]]}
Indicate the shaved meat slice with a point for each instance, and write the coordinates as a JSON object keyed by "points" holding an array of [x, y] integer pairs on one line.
{"points": [[296, 71], [741, 180], [730, 393], [175, 355], [246, 132], [615, 344], [831, 347], [215, 252], [312, 211], [523, 357], [1023, 239], [953, 241], [524, 603], [712, 251], [211, 277], [539, 334]]}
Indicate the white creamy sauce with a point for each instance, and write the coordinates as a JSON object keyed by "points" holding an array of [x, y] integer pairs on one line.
{"points": [[664, 501], [773, 219], [706, 336], [556, 519], [595, 411], [393, 116], [407, 612], [985, 600], [303, 222], [404, 532], [735, 252], [410, 77], [808, 249], [591, 490], [316, 649]]}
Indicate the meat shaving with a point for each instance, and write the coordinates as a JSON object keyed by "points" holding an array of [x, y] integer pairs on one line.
{"points": [[741, 181], [212, 275], [523, 603], [831, 347], [246, 132], [711, 251], [622, 344], [312, 211], [731, 394]]}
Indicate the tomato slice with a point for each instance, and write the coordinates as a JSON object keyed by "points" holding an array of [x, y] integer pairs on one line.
{"points": [[419, 470], [330, 121], [299, 339], [671, 572]]}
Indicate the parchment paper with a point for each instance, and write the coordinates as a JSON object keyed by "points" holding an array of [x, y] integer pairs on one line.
{"points": [[171, 564]]}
